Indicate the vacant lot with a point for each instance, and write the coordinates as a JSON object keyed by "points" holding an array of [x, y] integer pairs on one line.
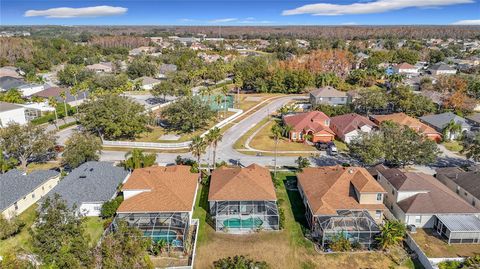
{"points": [[436, 247], [283, 249]]}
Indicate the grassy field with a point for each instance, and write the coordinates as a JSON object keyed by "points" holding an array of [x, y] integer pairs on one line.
{"points": [[21, 241], [42, 166], [453, 145], [435, 247], [282, 249]]}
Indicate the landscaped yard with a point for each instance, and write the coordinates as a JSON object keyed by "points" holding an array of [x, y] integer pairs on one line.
{"points": [[282, 249], [21, 241], [94, 228], [42, 166], [453, 145], [435, 247]]}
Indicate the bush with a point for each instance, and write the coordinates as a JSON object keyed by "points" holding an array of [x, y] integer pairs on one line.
{"points": [[281, 220], [109, 208], [239, 262], [340, 243], [449, 265], [10, 227]]}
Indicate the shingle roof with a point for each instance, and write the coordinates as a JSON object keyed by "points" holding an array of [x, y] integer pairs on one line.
{"points": [[328, 189], [90, 182], [432, 198], [313, 120], [253, 183], [4, 106], [165, 189], [55, 92], [440, 121], [148, 80], [475, 117], [8, 83], [344, 124], [328, 92], [14, 185], [469, 181], [403, 119], [441, 66]]}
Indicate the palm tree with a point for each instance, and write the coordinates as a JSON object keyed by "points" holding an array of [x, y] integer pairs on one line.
{"points": [[276, 134], [137, 159], [307, 137], [452, 128], [213, 137], [225, 94], [198, 147], [286, 129], [74, 91], [64, 97], [218, 100], [53, 103], [391, 233]]}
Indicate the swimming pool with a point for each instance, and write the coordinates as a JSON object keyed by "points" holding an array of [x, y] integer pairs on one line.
{"points": [[242, 223], [166, 235]]}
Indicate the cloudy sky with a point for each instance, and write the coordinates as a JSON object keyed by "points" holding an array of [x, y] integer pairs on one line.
{"points": [[236, 12]]}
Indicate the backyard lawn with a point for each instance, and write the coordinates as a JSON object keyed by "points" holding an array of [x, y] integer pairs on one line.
{"points": [[282, 249], [94, 228], [21, 241], [435, 247]]}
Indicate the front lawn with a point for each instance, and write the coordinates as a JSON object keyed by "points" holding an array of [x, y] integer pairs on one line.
{"points": [[435, 247], [453, 145], [22, 241]]}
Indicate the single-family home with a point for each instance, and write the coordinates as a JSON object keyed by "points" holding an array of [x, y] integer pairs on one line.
{"points": [[349, 126], [90, 185], [441, 121], [56, 92], [27, 89], [464, 183], [314, 124], [403, 119], [341, 199], [11, 113], [243, 199], [147, 83], [159, 201], [420, 200], [141, 50], [405, 69], [442, 69], [166, 69], [19, 191], [474, 119], [329, 96], [103, 67], [10, 71]]}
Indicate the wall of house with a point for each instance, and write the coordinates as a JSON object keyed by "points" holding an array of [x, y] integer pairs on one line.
{"points": [[90, 209], [370, 198], [420, 220], [469, 198], [14, 115], [25, 202], [333, 101]]}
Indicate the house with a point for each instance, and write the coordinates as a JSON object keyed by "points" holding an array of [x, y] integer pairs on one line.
{"points": [[18, 191], [166, 69], [474, 119], [11, 113], [243, 199], [314, 123], [56, 92], [349, 126], [440, 121], [159, 201], [10, 71], [403, 119], [405, 69], [147, 83], [441, 69], [90, 185], [329, 96], [103, 67], [141, 50], [27, 89], [464, 183], [346, 199]]}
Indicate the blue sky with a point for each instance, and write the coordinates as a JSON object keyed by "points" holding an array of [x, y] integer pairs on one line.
{"points": [[235, 12]]}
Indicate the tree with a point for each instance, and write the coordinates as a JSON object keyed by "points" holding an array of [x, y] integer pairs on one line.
{"points": [[302, 162], [12, 261], [124, 248], [391, 234], [136, 158], [276, 132], [405, 100], [141, 67], [240, 262], [451, 129], [109, 208], [214, 136], [27, 143], [53, 103], [340, 243], [368, 147], [163, 89], [471, 147], [225, 96], [188, 114], [12, 96], [114, 116], [370, 100], [63, 95], [6, 163], [81, 148], [10, 227], [218, 101], [73, 74], [436, 56], [59, 239], [197, 148]]}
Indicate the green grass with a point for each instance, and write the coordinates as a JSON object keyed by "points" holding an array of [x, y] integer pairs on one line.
{"points": [[200, 212], [21, 241], [64, 126], [453, 145], [94, 228], [341, 146]]}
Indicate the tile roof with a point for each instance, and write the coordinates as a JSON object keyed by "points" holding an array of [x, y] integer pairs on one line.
{"points": [[328, 189], [344, 124], [313, 120], [432, 196], [90, 182], [148, 80], [165, 189], [328, 92], [440, 121], [468, 180], [404, 66], [14, 184], [403, 119], [252, 183]]}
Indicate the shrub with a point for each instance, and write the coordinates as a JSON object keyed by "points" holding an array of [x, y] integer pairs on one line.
{"points": [[449, 265], [281, 220], [340, 243], [109, 208], [10, 227], [239, 262]]}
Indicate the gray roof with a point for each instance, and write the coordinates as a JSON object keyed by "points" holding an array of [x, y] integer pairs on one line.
{"points": [[440, 121], [90, 182], [167, 68], [328, 92], [148, 80], [475, 117], [441, 66], [8, 83], [14, 185], [460, 223], [4, 106]]}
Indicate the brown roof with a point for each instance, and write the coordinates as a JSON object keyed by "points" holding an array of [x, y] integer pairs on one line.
{"points": [[468, 180], [313, 120], [403, 119], [328, 189], [328, 91], [253, 183], [344, 124], [432, 197], [50, 92], [165, 189], [404, 66]]}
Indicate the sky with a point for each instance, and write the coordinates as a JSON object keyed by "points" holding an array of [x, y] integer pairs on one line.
{"points": [[240, 12]]}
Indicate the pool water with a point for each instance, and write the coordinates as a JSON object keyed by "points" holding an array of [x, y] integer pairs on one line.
{"points": [[166, 235], [243, 223]]}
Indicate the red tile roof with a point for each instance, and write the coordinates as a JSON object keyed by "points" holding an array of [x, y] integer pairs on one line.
{"points": [[403, 119], [314, 120], [344, 124]]}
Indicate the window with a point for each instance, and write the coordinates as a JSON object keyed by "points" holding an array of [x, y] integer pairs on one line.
{"points": [[379, 197], [96, 208], [378, 214], [294, 135], [15, 205], [473, 202], [418, 219], [43, 188], [33, 195], [393, 191]]}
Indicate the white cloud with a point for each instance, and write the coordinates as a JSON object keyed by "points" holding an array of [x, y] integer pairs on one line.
{"points": [[467, 22], [68, 12], [377, 6], [223, 20], [349, 23]]}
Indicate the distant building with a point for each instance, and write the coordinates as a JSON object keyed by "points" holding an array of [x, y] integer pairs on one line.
{"points": [[405, 120], [315, 124], [71, 100], [349, 126], [405, 69], [440, 121], [104, 67], [11, 113], [148, 82], [442, 69], [166, 69], [329, 96], [27, 89]]}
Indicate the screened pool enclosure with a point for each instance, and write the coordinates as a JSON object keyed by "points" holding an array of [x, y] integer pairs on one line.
{"points": [[458, 229], [244, 216], [170, 227], [356, 226]]}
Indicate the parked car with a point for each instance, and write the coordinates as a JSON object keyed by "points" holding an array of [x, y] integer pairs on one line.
{"points": [[332, 149], [321, 145]]}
